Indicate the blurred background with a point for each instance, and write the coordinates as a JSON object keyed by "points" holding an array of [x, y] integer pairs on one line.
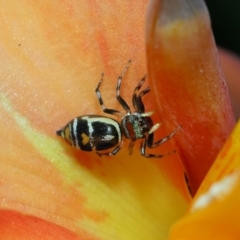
{"points": [[225, 17]]}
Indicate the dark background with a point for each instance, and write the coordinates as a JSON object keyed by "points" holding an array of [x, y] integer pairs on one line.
{"points": [[225, 18]]}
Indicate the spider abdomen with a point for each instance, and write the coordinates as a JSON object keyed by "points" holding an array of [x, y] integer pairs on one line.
{"points": [[92, 133]]}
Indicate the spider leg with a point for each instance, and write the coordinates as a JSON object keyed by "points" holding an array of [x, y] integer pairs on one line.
{"points": [[106, 110], [136, 99], [149, 155], [137, 103], [149, 142], [119, 98]]}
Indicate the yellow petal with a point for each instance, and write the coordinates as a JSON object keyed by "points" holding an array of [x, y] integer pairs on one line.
{"points": [[214, 213]]}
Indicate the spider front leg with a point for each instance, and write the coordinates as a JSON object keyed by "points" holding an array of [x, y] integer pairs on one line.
{"points": [[149, 155], [149, 142], [106, 110]]}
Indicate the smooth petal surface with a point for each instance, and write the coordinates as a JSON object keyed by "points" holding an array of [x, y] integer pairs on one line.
{"points": [[52, 55], [231, 67], [14, 225], [188, 83], [214, 213]]}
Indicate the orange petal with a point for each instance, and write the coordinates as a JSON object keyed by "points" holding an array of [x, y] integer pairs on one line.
{"points": [[14, 225], [215, 213], [52, 57], [188, 82], [231, 67]]}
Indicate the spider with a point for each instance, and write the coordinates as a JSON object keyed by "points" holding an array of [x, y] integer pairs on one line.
{"points": [[105, 135]]}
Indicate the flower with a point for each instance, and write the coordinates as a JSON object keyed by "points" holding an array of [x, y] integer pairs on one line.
{"points": [[53, 56], [214, 211]]}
